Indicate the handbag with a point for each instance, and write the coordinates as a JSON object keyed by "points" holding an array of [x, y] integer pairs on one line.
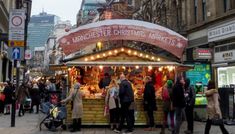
{"points": [[217, 121], [2, 97]]}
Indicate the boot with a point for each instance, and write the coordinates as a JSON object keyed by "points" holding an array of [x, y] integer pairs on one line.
{"points": [[79, 124], [74, 126]]}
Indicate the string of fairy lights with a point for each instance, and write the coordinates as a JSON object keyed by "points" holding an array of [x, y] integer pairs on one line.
{"points": [[122, 50]]}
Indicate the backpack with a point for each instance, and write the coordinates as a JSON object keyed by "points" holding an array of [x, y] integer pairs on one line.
{"points": [[165, 94]]}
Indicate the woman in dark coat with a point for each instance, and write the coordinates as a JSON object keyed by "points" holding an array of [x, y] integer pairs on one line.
{"points": [[149, 102], [8, 92]]}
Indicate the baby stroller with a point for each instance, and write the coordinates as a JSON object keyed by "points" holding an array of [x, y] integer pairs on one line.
{"points": [[55, 116], [27, 104]]}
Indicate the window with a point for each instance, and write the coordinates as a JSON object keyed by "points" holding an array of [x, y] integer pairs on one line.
{"points": [[195, 10], [204, 9], [226, 5], [130, 2]]}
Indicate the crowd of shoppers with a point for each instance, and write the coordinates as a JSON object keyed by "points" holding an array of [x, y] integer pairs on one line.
{"points": [[178, 100]]}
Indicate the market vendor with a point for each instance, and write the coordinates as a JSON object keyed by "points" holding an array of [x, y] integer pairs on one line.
{"points": [[104, 82]]}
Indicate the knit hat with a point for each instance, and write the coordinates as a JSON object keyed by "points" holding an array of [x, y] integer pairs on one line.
{"points": [[76, 85], [169, 83]]}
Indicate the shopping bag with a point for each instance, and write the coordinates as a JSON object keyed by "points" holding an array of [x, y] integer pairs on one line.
{"points": [[106, 111], [2, 97], [171, 120], [217, 121]]}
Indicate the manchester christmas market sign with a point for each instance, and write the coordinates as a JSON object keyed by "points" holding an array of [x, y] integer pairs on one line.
{"points": [[122, 29]]}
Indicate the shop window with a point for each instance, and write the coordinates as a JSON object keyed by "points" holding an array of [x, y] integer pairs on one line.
{"points": [[223, 48], [231, 47], [195, 10], [204, 9], [233, 78], [217, 49]]}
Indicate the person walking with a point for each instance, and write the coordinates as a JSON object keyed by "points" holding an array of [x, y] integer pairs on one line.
{"points": [[35, 96], [126, 96], [178, 103], [8, 92], [77, 112], [112, 101], [167, 103], [22, 93], [149, 102], [213, 109], [190, 101], [2, 98]]}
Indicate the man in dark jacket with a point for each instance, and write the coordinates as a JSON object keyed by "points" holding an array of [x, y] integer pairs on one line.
{"points": [[190, 101], [149, 102], [179, 104], [126, 96]]}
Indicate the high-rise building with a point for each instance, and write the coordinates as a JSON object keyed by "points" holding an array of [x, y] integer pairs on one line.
{"points": [[88, 10], [39, 29]]}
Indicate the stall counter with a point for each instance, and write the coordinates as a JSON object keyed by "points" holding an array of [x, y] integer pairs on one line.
{"points": [[93, 113]]}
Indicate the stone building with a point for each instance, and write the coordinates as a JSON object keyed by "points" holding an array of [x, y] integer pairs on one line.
{"points": [[5, 58], [210, 31]]}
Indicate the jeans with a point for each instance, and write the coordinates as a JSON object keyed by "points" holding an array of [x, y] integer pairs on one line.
{"points": [[208, 127], [189, 117], [128, 115], [179, 118]]}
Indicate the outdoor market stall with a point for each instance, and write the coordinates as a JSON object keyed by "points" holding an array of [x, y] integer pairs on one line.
{"points": [[91, 67]]}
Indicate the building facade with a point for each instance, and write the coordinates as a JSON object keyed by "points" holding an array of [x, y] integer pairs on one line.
{"points": [[39, 29], [6, 62], [53, 53], [88, 11], [211, 35]]}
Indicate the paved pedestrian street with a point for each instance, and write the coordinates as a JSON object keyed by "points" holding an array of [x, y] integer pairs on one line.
{"points": [[29, 124]]}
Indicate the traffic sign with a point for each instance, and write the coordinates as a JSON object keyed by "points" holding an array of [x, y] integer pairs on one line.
{"points": [[16, 53], [16, 28], [16, 43], [28, 54]]}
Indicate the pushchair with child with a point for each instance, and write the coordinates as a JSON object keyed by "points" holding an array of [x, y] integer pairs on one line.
{"points": [[55, 115]]}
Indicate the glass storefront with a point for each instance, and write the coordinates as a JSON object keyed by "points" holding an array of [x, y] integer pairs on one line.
{"points": [[226, 76]]}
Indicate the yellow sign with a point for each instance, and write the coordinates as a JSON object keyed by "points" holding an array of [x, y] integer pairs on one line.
{"points": [[13, 43]]}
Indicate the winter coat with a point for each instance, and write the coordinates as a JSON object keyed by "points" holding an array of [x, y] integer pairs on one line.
{"points": [[22, 93], [213, 108], [112, 99], [35, 96], [190, 96], [167, 102], [126, 93], [149, 97], [8, 92], [77, 111], [178, 97]]}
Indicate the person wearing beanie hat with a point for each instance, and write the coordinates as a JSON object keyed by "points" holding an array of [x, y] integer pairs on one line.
{"points": [[169, 83], [76, 97], [167, 102]]}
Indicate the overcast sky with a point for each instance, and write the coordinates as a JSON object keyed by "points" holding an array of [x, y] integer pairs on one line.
{"points": [[65, 9]]}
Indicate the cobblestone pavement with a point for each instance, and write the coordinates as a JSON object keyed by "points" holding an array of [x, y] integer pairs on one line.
{"points": [[29, 124]]}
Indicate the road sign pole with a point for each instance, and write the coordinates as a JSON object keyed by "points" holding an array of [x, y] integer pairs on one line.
{"points": [[13, 107]]}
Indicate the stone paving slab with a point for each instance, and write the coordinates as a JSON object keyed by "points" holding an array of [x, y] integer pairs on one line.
{"points": [[29, 124]]}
